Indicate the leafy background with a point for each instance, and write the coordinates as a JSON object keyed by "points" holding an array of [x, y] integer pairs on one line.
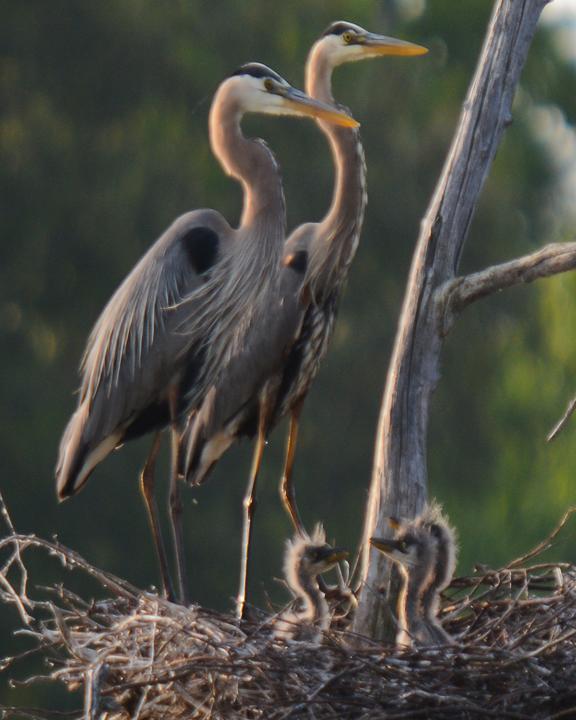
{"points": [[103, 141]]}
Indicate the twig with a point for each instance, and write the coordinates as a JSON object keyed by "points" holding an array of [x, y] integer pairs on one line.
{"points": [[547, 543], [72, 558], [557, 429]]}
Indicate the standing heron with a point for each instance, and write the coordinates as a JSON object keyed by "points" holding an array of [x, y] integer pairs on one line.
{"points": [[322, 252], [182, 311]]}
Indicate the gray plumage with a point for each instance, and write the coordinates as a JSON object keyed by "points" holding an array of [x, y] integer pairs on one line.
{"points": [[136, 351]]}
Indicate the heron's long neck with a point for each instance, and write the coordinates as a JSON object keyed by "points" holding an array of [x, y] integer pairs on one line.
{"points": [[251, 163], [239, 290], [315, 605], [339, 230], [431, 600], [443, 570], [410, 598]]}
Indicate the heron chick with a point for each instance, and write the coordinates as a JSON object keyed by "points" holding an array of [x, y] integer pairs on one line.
{"points": [[306, 558], [424, 550]]}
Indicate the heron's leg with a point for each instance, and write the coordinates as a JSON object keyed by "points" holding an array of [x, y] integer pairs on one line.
{"points": [[249, 510], [287, 493], [176, 507], [287, 486], [147, 490]]}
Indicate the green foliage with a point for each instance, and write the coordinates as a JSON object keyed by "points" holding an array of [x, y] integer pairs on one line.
{"points": [[103, 142]]}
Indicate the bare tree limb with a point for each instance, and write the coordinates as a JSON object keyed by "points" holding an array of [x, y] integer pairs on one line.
{"points": [[557, 429], [399, 480], [460, 292]]}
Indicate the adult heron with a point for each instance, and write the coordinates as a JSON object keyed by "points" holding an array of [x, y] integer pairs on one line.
{"points": [[182, 310], [249, 401]]}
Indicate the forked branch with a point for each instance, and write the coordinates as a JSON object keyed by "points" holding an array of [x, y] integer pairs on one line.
{"points": [[460, 292]]}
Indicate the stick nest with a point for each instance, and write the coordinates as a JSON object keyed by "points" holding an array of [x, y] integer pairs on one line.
{"points": [[135, 655]]}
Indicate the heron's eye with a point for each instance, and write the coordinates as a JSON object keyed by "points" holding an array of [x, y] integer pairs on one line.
{"points": [[347, 37], [268, 84], [402, 546]]}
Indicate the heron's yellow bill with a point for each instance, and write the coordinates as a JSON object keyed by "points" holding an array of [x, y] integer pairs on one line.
{"points": [[338, 555], [301, 104], [383, 45]]}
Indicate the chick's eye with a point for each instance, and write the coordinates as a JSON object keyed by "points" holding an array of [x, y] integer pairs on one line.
{"points": [[269, 85], [347, 37]]}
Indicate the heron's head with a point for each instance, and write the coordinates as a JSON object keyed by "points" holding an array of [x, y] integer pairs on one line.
{"points": [[311, 555], [410, 548], [344, 42], [258, 89], [317, 559]]}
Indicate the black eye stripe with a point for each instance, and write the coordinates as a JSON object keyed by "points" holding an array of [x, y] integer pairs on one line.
{"points": [[257, 70], [339, 28]]}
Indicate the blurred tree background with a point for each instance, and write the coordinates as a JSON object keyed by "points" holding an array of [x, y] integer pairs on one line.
{"points": [[103, 142]]}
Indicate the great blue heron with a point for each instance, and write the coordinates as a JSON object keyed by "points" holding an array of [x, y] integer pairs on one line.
{"points": [[424, 550], [306, 558], [182, 311], [249, 400]]}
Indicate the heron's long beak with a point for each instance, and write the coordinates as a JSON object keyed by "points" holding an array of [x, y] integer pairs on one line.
{"points": [[299, 103], [383, 45], [385, 545]]}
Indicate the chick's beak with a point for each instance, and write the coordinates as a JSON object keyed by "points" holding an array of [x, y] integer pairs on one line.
{"points": [[383, 45], [385, 545], [301, 104], [334, 555]]}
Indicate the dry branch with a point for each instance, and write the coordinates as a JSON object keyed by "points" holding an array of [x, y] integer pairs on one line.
{"points": [[399, 480], [457, 294], [557, 429]]}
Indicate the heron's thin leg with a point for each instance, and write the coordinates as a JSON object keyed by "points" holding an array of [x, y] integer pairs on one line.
{"points": [[175, 503], [286, 485], [147, 490], [249, 510]]}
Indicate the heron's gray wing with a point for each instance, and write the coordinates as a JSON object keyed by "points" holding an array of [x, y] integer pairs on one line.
{"points": [[230, 407], [137, 347]]}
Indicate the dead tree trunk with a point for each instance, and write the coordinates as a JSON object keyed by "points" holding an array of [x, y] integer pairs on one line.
{"points": [[399, 481]]}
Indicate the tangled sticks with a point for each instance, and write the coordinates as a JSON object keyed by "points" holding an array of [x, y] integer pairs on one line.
{"points": [[136, 655]]}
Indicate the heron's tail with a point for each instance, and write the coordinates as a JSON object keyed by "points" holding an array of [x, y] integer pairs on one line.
{"points": [[79, 454]]}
